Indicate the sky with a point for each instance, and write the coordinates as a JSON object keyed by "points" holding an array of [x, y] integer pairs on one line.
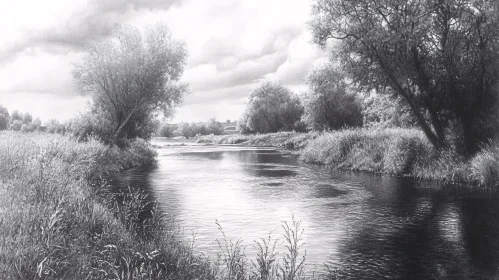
{"points": [[232, 44]]}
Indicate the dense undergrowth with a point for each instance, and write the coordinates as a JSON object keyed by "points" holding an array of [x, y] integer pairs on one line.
{"points": [[58, 220], [397, 151]]}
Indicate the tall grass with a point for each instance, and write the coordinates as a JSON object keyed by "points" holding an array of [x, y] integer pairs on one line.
{"points": [[268, 264], [394, 151], [58, 223]]}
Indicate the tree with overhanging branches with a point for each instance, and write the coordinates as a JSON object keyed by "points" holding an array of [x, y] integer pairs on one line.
{"points": [[439, 56]]}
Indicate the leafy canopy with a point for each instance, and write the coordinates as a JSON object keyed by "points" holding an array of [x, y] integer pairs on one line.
{"points": [[131, 77], [440, 56]]}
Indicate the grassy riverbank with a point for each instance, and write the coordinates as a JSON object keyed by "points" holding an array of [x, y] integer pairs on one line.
{"points": [[401, 152], [58, 220]]}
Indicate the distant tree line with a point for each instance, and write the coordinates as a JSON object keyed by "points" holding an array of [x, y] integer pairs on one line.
{"points": [[192, 129], [18, 121]]}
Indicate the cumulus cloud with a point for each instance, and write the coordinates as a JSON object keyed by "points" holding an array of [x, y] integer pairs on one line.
{"points": [[232, 44]]}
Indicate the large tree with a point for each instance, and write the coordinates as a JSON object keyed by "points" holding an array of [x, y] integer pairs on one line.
{"points": [[440, 56], [132, 76], [328, 104], [271, 108]]}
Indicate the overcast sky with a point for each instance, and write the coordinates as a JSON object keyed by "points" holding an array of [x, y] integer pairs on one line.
{"points": [[232, 45]]}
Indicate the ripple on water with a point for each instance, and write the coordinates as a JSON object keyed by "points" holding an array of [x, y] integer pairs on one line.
{"points": [[272, 184], [327, 190]]}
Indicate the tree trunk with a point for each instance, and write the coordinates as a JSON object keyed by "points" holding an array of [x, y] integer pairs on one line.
{"points": [[120, 127]]}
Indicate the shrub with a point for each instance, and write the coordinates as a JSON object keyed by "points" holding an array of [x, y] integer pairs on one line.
{"points": [[485, 165]]}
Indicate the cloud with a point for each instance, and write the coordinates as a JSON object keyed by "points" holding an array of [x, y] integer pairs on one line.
{"points": [[39, 71], [232, 45], [67, 24]]}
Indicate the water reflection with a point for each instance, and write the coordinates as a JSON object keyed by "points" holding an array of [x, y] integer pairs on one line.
{"points": [[371, 227]]}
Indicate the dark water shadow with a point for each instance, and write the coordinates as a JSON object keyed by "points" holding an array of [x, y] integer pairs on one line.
{"points": [[272, 184], [328, 191], [124, 186]]}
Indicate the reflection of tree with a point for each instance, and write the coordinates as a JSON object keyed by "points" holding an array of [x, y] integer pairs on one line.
{"points": [[400, 238], [481, 232]]}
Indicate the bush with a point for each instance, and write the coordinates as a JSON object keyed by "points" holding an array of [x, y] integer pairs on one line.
{"points": [[384, 110], [166, 130], [485, 165]]}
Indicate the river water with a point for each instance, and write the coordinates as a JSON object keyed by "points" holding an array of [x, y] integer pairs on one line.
{"points": [[368, 226]]}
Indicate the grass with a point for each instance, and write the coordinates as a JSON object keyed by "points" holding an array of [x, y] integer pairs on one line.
{"points": [[288, 140], [396, 151], [58, 220]]}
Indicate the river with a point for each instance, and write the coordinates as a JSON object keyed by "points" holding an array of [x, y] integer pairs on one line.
{"points": [[368, 226]]}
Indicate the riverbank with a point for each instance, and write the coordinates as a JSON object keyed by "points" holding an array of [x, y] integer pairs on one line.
{"points": [[59, 222], [399, 152]]}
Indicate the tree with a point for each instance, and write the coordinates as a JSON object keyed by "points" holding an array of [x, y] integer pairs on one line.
{"points": [[271, 108], [131, 77], [186, 130], [54, 126], [166, 130], [441, 57], [4, 118], [328, 104], [27, 118], [16, 116], [215, 127], [16, 125]]}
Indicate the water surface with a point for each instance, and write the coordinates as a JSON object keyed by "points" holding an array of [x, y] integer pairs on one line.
{"points": [[371, 227]]}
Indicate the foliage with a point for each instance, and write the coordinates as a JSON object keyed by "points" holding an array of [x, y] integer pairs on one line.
{"points": [[90, 125], [271, 108], [485, 165], [21, 122], [54, 126], [4, 118], [193, 129], [386, 111], [328, 104], [131, 77], [441, 57], [215, 127], [166, 130]]}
